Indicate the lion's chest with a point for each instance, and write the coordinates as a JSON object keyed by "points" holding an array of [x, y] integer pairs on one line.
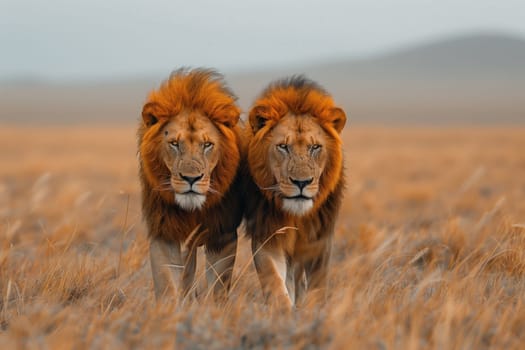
{"points": [[300, 236]]}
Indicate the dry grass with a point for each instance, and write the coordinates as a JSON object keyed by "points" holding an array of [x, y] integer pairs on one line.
{"points": [[429, 249]]}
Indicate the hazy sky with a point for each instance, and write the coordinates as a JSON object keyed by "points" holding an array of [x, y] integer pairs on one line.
{"points": [[89, 39]]}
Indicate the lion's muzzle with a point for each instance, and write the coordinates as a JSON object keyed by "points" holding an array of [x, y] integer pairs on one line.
{"points": [[190, 190]]}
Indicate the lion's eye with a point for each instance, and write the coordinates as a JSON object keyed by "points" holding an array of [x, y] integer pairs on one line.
{"points": [[207, 145], [283, 147], [314, 149]]}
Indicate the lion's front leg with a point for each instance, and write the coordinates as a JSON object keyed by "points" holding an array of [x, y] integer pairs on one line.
{"points": [[189, 257], [173, 268], [295, 281], [219, 268], [271, 266], [299, 283], [166, 267], [316, 271]]}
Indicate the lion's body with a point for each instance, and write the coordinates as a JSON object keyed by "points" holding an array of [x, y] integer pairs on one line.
{"points": [[295, 161], [190, 151]]}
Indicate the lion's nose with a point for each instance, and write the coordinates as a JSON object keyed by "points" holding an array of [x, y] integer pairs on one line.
{"points": [[302, 183], [191, 179]]}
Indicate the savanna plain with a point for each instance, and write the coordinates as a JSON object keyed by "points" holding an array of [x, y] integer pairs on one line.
{"points": [[429, 249]]}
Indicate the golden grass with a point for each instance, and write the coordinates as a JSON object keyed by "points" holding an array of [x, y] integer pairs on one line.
{"points": [[429, 249]]}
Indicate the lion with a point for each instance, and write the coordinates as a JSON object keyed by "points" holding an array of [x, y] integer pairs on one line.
{"points": [[189, 144], [295, 160]]}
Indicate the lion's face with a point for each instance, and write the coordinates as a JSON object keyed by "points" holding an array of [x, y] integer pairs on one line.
{"points": [[295, 152], [189, 145], [190, 151], [297, 155]]}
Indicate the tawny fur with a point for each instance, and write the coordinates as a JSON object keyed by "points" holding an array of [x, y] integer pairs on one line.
{"points": [[305, 242]]}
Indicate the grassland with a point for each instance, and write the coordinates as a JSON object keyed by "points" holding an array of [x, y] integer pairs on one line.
{"points": [[429, 249]]}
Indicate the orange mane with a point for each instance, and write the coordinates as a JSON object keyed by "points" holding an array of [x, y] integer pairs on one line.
{"points": [[299, 96], [198, 89]]}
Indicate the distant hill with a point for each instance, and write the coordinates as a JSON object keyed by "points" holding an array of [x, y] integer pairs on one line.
{"points": [[474, 79], [466, 57], [468, 79]]}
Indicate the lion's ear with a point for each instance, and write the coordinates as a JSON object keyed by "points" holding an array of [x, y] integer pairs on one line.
{"points": [[230, 116], [149, 114], [149, 119], [257, 121], [338, 118]]}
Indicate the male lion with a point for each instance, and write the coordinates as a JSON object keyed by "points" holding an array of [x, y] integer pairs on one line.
{"points": [[295, 159], [189, 150]]}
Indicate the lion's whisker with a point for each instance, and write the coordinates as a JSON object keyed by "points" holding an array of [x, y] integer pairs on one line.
{"points": [[212, 190], [163, 184], [177, 266], [270, 188], [165, 187]]}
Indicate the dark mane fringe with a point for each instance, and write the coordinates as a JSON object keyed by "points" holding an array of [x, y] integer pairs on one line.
{"points": [[297, 82]]}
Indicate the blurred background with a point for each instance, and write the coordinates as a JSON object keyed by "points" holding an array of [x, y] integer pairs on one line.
{"points": [[429, 246], [415, 62]]}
